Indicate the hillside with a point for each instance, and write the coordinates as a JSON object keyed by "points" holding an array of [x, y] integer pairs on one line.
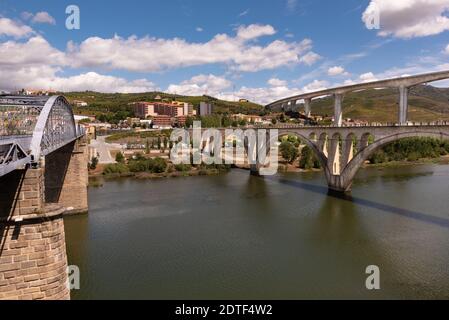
{"points": [[119, 103], [426, 103]]}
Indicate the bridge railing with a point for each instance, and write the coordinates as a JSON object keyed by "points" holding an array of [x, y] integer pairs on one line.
{"points": [[17, 120], [80, 130], [349, 125]]}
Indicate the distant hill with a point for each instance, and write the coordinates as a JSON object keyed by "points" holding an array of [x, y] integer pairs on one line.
{"points": [[426, 103], [120, 102]]}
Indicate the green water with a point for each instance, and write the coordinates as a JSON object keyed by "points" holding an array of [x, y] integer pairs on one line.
{"points": [[240, 237]]}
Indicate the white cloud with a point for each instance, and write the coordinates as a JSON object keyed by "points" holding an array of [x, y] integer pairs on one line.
{"points": [[447, 49], [199, 29], [219, 88], [201, 84], [12, 28], [316, 85], [335, 71], [45, 77], [35, 51], [310, 58], [254, 31], [151, 54], [274, 82], [43, 17], [368, 77], [410, 18]]}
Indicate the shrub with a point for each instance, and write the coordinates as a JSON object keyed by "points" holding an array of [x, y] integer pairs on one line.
{"points": [[183, 167], [138, 165], [120, 158], [413, 156], [158, 165], [116, 168]]}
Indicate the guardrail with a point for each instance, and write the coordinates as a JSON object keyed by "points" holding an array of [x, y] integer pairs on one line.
{"points": [[374, 124]]}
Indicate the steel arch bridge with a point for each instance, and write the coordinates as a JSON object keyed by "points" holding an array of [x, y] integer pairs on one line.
{"points": [[32, 127]]}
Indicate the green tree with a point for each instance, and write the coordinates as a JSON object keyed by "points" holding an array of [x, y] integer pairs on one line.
{"points": [[189, 122], [93, 163], [147, 146], [288, 151], [119, 158]]}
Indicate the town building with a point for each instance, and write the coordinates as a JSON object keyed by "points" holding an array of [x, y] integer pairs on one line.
{"points": [[162, 122], [205, 109], [79, 103], [151, 109], [248, 118]]}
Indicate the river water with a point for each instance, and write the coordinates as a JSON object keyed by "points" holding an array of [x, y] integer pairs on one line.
{"points": [[283, 237]]}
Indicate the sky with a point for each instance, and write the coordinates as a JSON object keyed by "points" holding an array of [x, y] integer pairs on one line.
{"points": [[258, 49]]}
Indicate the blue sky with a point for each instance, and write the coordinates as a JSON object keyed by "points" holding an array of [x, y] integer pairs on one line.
{"points": [[261, 50]]}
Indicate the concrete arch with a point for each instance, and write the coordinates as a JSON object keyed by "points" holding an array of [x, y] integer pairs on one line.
{"points": [[315, 148], [354, 165]]}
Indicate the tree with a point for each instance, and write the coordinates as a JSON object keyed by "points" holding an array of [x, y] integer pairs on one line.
{"points": [[289, 152], [159, 142], [274, 121], [189, 122], [93, 163], [308, 159], [147, 146], [119, 158]]}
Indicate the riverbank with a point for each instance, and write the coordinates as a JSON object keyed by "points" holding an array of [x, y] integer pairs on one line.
{"points": [[284, 167], [193, 172]]}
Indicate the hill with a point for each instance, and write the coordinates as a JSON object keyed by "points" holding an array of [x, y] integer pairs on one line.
{"points": [[119, 104], [426, 103]]}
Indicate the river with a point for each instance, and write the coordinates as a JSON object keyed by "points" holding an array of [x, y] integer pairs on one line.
{"points": [[236, 236]]}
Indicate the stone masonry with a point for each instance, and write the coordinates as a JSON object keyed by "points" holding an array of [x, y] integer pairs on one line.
{"points": [[33, 260]]}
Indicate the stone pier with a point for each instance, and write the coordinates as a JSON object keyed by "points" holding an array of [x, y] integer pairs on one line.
{"points": [[33, 259]]}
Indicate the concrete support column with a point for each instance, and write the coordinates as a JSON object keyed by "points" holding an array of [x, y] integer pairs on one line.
{"points": [[348, 151], [334, 157], [403, 105], [338, 114], [307, 109], [253, 157], [323, 145]]}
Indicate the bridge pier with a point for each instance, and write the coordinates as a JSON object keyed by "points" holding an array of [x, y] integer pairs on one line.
{"points": [[33, 260], [403, 105], [338, 114], [66, 177], [307, 108]]}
